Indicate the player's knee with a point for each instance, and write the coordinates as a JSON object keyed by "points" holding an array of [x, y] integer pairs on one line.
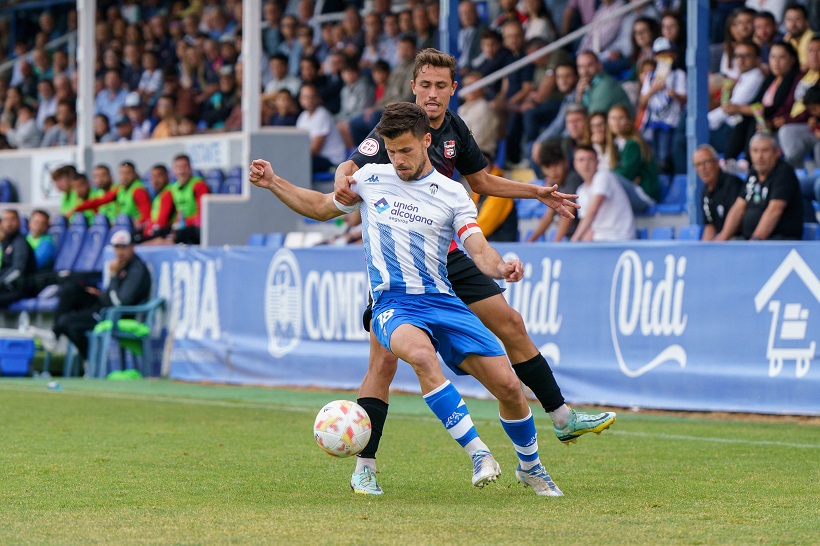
{"points": [[509, 389], [423, 360]]}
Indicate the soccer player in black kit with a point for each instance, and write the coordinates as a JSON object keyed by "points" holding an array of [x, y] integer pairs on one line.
{"points": [[453, 148]]}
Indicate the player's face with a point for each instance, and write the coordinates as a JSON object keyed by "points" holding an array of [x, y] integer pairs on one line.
{"points": [[586, 163], [433, 88], [408, 154], [182, 170], [764, 155], [556, 173]]}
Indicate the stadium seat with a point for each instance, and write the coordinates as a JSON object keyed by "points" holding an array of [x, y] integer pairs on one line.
{"points": [[642, 233], [59, 220], [123, 221], [665, 182], [529, 208], [70, 247], [214, 179], [257, 239], [235, 172], [8, 193], [675, 200], [57, 231], [811, 232], [231, 186], [24, 224], [275, 240], [662, 233], [95, 240], [690, 233]]}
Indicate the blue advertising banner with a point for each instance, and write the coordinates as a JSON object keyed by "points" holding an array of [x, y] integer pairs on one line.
{"points": [[694, 326]]}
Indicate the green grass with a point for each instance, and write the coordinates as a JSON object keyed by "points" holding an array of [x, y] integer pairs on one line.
{"points": [[169, 463]]}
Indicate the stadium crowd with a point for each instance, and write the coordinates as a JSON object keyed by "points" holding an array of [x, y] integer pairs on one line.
{"points": [[167, 69]]}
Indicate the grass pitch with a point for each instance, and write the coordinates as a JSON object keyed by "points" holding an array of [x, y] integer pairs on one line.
{"points": [[169, 463]]}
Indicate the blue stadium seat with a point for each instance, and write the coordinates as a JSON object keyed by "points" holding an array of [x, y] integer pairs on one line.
{"points": [[662, 233], [24, 224], [214, 179], [257, 239], [665, 182], [95, 240], [70, 247], [323, 177], [642, 233], [529, 208], [8, 193], [78, 218], [57, 231], [231, 186], [811, 232], [59, 220], [675, 200], [123, 221], [235, 172], [690, 233], [275, 240]]}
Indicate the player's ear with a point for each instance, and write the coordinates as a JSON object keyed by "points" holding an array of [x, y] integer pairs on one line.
{"points": [[453, 90], [413, 86], [428, 139]]}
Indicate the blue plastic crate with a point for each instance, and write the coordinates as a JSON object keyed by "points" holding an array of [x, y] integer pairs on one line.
{"points": [[15, 357]]}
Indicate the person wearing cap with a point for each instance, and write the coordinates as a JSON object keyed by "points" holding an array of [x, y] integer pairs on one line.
{"points": [[124, 129], [135, 113], [79, 303], [217, 108], [663, 95], [17, 261], [130, 196]]}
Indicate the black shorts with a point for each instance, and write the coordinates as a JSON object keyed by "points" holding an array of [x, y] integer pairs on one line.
{"points": [[469, 283]]}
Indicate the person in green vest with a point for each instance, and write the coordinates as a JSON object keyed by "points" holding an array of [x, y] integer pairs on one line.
{"points": [[40, 241], [162, 209], [102, 182], [83, 192], [130, 196], [62, 177], [187, 192]]}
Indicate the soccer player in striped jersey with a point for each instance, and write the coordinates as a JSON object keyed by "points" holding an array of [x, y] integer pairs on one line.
{"points": [[410, 214]]}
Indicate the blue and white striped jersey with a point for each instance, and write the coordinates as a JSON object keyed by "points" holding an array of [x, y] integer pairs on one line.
{"points": [[408, 226]]}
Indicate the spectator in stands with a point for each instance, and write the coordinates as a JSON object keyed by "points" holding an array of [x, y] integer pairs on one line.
{"points": [[17, 261], [47, 101], [111, 99], [196, 75], [802, 140], [65, 132], [539, 23], [132, 66], [167, 120], [395, 91], [724, 118], [356, 95], [426, 32], [162, 207], [493, 58], [765, 34], [102, 182], [545, 103], [515, 90], [597, 90], [309, 70], [663, 95], [102, 129], [645, 30], [376, 44], [63, 89], [553, 162], [150, 82], [577, 13], [14, 98], [24, 133], [187, 192], [605, 213], [481, 118], [327, 148], [798, 33], [739, 29], [42, 244], [304, 33], [218, 107], [79, 304], [379, 73], [772, 207], [795, 136], [773, 101], [497, 216], [631, 159], [130, 196], [143, 126], [280, 77], [509, 12], [772, 7], [608, 26], [574, 130], [673, 30], [28, 85], [187, 126], [352, 42], [469, 35], [721, 191], [271, 33], [285, 111], [184, 100], [289, 45], [124, 129]]}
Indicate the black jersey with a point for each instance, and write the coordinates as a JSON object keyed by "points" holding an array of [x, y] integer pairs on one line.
{"points": [[716, 204], [453, 148], [780, 184]]}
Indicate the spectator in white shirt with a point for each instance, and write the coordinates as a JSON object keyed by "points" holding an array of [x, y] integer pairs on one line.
{"points": [[327, 149], [47, 100]]}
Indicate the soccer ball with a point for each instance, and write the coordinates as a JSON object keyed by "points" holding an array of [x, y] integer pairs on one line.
{"points": [[342, 428]]}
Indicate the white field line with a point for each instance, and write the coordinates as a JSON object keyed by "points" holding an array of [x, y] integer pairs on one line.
{"points": [[304, 409]]}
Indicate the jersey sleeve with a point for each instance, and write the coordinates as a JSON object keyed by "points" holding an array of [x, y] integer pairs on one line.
{"points": [[464, 217], [469, 159], [371, 150]]}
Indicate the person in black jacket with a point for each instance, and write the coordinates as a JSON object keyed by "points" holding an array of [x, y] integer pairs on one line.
{"points": [[79, 304], [17, 261]]}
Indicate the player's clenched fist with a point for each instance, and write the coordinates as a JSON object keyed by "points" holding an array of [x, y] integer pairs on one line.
{"points": [[512, 271], [260, 173]]}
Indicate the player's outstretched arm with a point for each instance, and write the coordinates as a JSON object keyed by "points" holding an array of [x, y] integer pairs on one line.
{"points": [[308, 203], [343, 181], [489, 262], [489, 184]]}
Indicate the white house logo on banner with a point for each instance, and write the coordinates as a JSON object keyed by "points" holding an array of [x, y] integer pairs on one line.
{"points": [[283, 303], [788, 331], [649, 307], [536, 299]]}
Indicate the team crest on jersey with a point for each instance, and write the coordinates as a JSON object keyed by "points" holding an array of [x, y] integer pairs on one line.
{"points": [[369, 147], [433, 188], [450, 149]]}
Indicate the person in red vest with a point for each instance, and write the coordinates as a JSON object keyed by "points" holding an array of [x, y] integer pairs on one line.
{"points": [[130, 195], [187, 193], [162, 208]]}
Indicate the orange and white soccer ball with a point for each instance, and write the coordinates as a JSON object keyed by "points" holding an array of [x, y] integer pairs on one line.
{"points": [[342, 428]]}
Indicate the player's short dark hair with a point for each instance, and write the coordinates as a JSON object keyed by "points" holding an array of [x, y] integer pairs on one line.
{"points": [[401, 117], [551, 153], [436, 58]]}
